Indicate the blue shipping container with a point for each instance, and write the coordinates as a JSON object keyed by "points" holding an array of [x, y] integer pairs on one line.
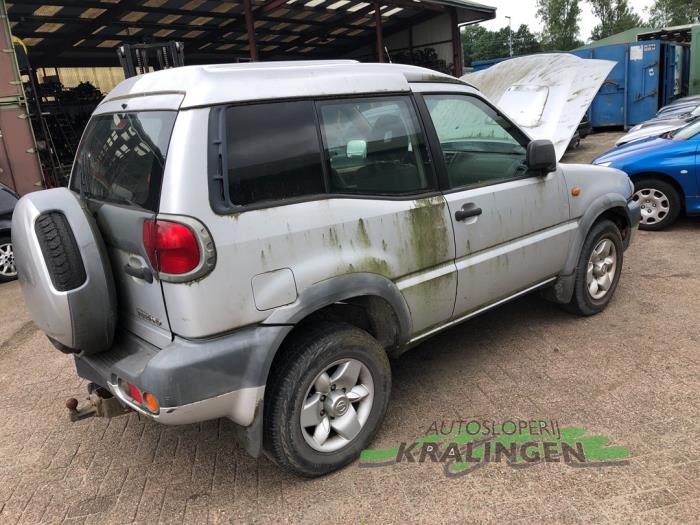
{"points": [[480, 65], [648, 75]]}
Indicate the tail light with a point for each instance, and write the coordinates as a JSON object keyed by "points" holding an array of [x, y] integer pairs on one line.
{"points": [[135, 393], [171, 247], [143, 399], [179, 250]]}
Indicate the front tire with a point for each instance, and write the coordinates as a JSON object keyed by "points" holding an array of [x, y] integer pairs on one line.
{"points": [[326, 398], [8, 270], [660, 204], [598, 270]]}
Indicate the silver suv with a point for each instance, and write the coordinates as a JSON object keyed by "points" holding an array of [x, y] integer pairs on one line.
{"points": [[255, 241]]}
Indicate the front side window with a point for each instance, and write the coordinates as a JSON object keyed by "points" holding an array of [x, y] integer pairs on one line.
{"points": [[479, 146], [374, 146], [273, 152], [121, 158]]}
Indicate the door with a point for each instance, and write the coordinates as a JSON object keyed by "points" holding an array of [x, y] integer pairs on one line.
{"points": [[119, 169], [643, 82], [512, 227]]}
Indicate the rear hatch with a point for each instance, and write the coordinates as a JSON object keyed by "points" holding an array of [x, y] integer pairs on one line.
{"points": [[119, 171]]}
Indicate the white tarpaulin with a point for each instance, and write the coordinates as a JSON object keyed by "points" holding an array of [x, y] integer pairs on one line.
{"points": [[547, 95]]}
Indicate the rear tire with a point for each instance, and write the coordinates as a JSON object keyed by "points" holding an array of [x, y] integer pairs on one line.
{"points": [[660, 203], [8, 270], [598, 270], [310, 427]]}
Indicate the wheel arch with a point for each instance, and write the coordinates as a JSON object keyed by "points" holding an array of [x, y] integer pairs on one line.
{"points": [[367, 301], [5, 228], [378, 296], [610, 206]]}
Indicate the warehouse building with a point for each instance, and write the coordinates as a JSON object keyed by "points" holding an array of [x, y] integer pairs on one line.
{"points": [[66, 55]]}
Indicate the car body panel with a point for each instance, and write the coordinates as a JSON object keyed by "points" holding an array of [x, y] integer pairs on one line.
{"points": [[676, 159], [347, 235], [520, 239], [8, 201], [546, 94], [653, 128], [677, 110], [244, 82]]}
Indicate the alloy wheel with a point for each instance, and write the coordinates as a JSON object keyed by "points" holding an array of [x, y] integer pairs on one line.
{"points": [[602, 266], [337, 405], [7, 261]]}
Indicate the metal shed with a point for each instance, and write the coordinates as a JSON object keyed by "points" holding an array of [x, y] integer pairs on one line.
{"points": [[86, 32], [84, 35]]}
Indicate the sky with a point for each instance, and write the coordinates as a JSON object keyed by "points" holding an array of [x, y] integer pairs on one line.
{"points": [[523, 12]]}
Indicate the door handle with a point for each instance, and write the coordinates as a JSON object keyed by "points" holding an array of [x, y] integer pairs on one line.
{"points": [[140, 273], [467, 212]]}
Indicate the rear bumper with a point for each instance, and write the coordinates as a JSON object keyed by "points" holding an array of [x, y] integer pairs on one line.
{"points": [[193, 381]]}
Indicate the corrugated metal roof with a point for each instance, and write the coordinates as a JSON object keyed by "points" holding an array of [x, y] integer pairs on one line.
{"points": [[86, 32]]}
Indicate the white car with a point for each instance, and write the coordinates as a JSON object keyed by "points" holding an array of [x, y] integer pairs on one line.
{"points": [[254, 241], [657, 127]]}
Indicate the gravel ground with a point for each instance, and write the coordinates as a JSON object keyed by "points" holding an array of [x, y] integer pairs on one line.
{"points": [[630, 374]]}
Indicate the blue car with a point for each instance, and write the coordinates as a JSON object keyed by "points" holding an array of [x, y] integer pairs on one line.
{"points": [[665, 173]]}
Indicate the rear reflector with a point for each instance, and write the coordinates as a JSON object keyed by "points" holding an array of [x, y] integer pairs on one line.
{"points": [[151, 402], [172, 247]]}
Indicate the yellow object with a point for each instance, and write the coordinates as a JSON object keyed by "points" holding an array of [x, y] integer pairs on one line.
{"points": [[16, 41]]}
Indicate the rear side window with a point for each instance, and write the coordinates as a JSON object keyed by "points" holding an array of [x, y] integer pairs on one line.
{"points": [[273, 152], [121, 158], [374, 146]]}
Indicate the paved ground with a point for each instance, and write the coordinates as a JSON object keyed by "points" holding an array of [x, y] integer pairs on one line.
{"points": [[631, 374]]}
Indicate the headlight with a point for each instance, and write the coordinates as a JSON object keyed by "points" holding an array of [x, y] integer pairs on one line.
{"points": [[604, 164]]}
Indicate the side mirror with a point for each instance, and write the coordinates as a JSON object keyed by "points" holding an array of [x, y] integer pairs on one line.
{"points": [[356, 149], [541, 156]]}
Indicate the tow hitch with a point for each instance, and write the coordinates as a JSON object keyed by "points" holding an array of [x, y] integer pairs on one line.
{"points": [[99, 403]]}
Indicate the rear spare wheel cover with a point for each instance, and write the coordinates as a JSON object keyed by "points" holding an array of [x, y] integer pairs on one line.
{"points": [[64, 271]]}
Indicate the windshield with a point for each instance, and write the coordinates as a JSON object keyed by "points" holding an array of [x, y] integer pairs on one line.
{"points": [[686, 132], [122, 157]]}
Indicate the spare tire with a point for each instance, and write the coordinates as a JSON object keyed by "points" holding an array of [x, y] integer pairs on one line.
{"points": [[64, 271]]}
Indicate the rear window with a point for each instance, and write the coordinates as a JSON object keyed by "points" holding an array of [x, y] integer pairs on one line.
{"points": [[122, 157]]}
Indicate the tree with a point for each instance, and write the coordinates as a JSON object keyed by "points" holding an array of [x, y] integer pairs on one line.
{"points": [[665, 13], [615, 16], [481, 44], [525, 42], [560, 24]]}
